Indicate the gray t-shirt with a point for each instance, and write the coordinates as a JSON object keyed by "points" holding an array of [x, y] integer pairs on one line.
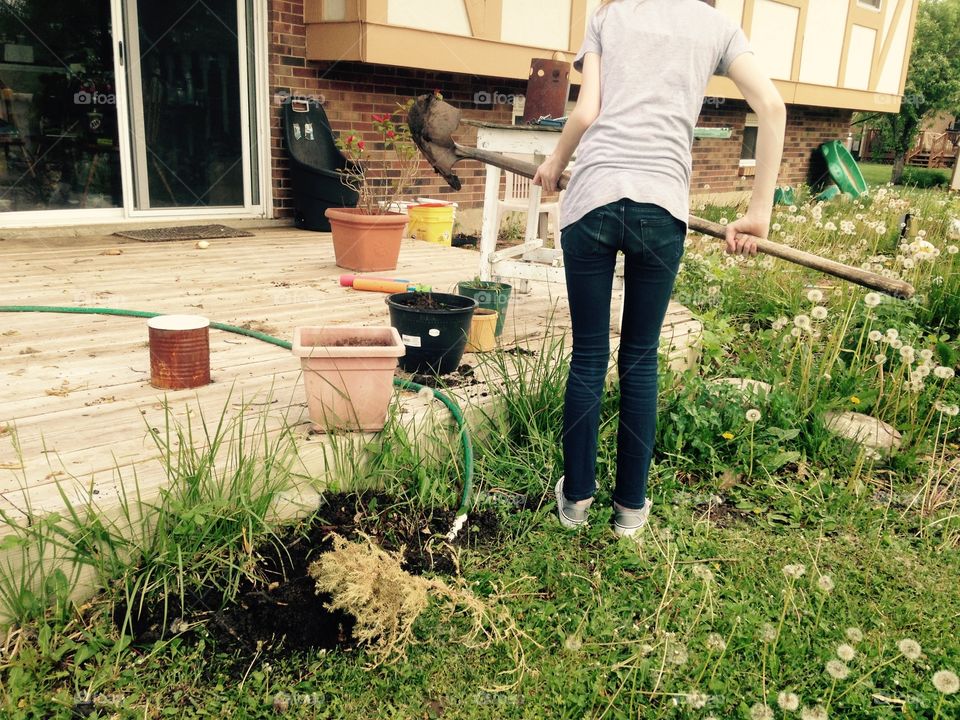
{"points": [[656, 58]]}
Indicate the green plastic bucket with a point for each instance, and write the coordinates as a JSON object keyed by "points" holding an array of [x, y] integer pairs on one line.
{"points": [[489, 295]]}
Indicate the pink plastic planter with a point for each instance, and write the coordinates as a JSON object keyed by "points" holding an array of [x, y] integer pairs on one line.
{"points": [[348, 375]]}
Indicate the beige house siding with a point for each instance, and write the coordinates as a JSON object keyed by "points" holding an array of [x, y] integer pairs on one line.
{"points": [[832, 53]]}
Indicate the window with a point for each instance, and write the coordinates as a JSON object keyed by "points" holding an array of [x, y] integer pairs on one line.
{"points": [[875, 4], [748, 151]]}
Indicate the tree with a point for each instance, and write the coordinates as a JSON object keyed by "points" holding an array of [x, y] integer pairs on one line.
{"points": [[933, 78]]}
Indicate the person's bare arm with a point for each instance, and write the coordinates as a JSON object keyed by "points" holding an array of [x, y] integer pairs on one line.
{"points": [[764, 99], [582, 117]]}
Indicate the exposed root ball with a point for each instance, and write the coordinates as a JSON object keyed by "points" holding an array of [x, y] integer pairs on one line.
{"points": [[368, 582]]}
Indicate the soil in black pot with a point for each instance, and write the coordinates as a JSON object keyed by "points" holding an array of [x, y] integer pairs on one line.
{"points": [[428, 301]]}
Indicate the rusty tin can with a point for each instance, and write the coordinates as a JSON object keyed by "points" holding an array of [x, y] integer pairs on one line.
{"points": [[547, 89], [179, 351]]}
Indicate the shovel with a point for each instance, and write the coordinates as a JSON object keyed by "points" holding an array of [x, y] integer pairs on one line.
{"points": [[432, 123]]}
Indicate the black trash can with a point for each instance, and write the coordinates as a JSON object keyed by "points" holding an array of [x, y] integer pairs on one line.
{"points": [[434, 328], [315, 161]]}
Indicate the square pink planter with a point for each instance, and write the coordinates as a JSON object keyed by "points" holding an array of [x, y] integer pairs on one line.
{"points": [[348, 375]]}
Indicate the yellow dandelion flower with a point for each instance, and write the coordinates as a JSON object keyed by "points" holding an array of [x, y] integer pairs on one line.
{"points": [[727, 436], [854, 399]]}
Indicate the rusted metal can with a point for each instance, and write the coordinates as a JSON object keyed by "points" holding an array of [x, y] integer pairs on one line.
{"points": [[547, 90], [179, 351]]}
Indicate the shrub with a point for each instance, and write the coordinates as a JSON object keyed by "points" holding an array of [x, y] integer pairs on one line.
{"points": [[921, 178]]}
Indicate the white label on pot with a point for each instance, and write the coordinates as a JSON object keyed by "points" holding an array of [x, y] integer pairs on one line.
{"points": [[434, 332], [412, 340]]}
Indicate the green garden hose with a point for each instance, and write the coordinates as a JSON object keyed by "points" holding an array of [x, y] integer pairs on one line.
{"points": [[398, 382]]}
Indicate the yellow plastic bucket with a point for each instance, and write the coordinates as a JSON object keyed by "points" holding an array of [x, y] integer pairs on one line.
{"points": [[431, 222]]}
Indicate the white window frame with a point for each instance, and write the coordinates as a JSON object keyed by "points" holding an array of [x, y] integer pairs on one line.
{"points": [[751, 121]]}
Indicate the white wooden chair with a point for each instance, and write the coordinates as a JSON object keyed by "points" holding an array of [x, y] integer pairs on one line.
{"points": [[516, 198]]}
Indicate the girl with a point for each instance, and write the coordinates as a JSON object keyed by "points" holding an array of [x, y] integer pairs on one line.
{"points": [[645, 66]]}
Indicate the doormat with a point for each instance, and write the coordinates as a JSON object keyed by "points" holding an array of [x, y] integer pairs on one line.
{"points": [[187, 232]]}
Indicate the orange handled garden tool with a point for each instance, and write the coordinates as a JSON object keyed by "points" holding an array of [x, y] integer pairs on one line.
{"points": [[387, 286], [432, 124]]}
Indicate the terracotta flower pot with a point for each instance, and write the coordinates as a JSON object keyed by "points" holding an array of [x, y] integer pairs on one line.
{"points": [[363, 242], [483, 331], [348, 375]]}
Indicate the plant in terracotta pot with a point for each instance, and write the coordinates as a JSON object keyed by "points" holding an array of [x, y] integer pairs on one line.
{"points": [[367, 238]]}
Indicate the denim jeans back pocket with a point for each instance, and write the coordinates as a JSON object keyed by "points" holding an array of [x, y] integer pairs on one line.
{"points": [[664, 240], [583, 238]]}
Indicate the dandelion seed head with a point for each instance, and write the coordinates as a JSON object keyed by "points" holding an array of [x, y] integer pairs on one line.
{"points": [[825, 584], [715, 642], [703, 572], [816, 713], [872, 299], [910, 649], [768, 633], [697, 700], [761, 711], [788, 701], [837, 670], [845, 652], [892, 333], [854, 635], [794, 572], [946, 682], [880, 358], [952, 250], [802, 322], [875, 336], [896, 343], [753, 415], [815, 296], [943, 372], [819, 313]]}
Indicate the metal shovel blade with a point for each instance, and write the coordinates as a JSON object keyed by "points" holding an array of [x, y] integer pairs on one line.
{"points": [[432, 123]]}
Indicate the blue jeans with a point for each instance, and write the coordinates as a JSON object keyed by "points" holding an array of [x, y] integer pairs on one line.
{"points": [[652, 241]]}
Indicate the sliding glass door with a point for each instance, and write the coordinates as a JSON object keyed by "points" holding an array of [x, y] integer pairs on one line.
{"points": [[59, 132], [131, 108], [184, 67]]}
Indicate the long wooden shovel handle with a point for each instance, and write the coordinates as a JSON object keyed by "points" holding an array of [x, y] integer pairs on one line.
{"points": [[890, 286]]}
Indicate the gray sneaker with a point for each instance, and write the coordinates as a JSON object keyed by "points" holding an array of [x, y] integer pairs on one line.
{"points": [[572, 514], [626, 522]]}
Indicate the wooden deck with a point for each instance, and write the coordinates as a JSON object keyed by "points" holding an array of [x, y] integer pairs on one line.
{"points": [[76, 408]]}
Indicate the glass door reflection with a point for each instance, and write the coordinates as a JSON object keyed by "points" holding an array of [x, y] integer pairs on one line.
{"points": [[185, 96]]}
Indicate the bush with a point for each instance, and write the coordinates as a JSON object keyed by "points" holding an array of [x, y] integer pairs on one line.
{"points": [[921, 178]]}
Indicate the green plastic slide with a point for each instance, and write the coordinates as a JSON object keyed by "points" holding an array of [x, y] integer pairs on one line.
{"points": [[843, 168]]}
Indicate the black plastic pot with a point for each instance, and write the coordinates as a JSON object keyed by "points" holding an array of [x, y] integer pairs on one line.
{"points": [[435, 338], [489, 295]]}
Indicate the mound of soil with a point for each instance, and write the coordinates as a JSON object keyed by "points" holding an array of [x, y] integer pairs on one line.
{"points": [[463, 376], [463, 240], [283, 613]]}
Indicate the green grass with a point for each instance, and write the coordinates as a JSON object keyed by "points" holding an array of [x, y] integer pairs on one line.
{"points": [[774, 548], [878, 174]]}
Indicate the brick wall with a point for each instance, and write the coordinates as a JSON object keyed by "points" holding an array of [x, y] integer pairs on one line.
{"points": [[716, 162], [354, 91]]}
